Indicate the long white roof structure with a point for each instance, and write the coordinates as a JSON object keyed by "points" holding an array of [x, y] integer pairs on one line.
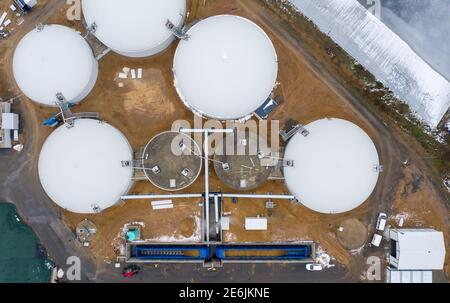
{"points": [[81, 168], [134, 28], [335, 167], [226, 68], [54, 59]]}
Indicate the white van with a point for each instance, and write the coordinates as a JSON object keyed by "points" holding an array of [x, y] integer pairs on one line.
{"points": [[381, 222], [376, 240]]}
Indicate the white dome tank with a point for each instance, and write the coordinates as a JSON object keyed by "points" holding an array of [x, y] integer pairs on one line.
{"points": [[81, 168], [54, 59], [336, 167], [226, 69], [134, 28]]}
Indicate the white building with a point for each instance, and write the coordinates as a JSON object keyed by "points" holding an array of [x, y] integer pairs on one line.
{"points": [[134, 28], [408, 276], [417, 249], [9, 124], [54, 59], [226, 68]]}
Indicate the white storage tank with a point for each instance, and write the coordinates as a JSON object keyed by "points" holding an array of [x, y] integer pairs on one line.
{"points": [[86, 168], [134, 28], [335, 168], [54, 59], [226, 68]]}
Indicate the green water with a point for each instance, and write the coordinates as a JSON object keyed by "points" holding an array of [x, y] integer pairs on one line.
{"points": [[22, 259]]}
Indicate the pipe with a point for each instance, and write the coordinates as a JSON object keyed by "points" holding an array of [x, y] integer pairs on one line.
{"points": [[253, 196], [189, 196], [207, 184], [206, 131], [151, 197], [216, 205]]}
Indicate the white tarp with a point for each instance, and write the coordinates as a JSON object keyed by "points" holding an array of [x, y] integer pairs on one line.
{"points": [[383, 53]]}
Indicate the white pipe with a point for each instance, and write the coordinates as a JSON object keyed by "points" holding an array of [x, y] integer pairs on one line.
{"points": [[207, 131], [253, 196], [207, 185], [216, 205], [151, 197], [188, 196]]}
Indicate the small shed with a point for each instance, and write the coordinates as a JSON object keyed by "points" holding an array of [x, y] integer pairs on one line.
{"points": [[416, 249]]}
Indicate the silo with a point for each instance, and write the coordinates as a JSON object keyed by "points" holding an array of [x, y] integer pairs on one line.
{"points": [[172, 161], [86, 168], [134, 28], [334, 169], [54, 59], [226, 68]]}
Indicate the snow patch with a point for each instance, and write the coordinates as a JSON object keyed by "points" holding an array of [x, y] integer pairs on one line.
{"points": [[390, 59]]}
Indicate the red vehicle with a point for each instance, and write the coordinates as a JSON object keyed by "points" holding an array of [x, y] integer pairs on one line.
{"points": [[130, 271]]}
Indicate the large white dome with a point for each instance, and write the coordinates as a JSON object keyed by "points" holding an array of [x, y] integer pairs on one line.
{"points": [[226, 69], [134, 28], [81, 168], [335, 167], [54, 60]]}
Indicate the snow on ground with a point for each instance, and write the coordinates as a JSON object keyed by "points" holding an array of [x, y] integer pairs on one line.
{"points": [[195, 238], [323, 258], [390, 59]]}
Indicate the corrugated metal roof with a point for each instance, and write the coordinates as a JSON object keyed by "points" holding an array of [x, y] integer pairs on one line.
{"points": [[422, 249]]}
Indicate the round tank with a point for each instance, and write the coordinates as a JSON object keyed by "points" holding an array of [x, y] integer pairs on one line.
{"points": [[243, 162], [335, 168], [134, 28], [54, 59], [172, 161], [86, 168], [226, 68]]}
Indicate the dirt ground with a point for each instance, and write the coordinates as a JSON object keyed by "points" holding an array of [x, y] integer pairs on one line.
{"points": [[143, 108]]}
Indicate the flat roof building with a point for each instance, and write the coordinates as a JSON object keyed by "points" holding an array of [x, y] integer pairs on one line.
{"points": [[408, 276], [9, 125], [417, 249]]}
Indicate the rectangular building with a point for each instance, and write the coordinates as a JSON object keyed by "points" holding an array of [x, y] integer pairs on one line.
{"points": [[416, 249], [9, 125]]}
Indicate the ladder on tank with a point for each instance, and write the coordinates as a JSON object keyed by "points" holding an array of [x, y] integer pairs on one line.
{"points": [[64, 108], [177, 31]]}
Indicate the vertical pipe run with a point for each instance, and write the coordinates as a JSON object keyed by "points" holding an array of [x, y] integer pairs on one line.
{"points": [[206, 132], [216, 205]]}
